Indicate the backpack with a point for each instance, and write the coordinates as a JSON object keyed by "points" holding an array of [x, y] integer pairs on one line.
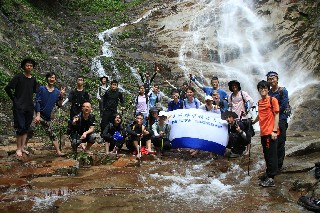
{"points": [[165, 128], [157, 99], [288, 110], [194, 100], [247, 122]]}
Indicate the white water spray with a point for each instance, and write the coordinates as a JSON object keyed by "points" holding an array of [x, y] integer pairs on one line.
{"points": [[230, 40]]}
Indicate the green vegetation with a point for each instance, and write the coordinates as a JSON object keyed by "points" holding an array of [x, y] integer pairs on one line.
{"points": [[48, 31], [84, 159]]}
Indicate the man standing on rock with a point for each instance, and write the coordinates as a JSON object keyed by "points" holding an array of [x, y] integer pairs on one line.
{"points": [[20, 90], [215, 86], [268, 117], [77, 97], [102, 88], [281, 94], [182, 92], [111, 99], [47, 97]]}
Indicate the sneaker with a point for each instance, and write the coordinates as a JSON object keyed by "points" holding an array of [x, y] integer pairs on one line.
{"points": [[309, 203], [267, 183]]}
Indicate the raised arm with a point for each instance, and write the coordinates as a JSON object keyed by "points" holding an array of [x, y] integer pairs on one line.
{"points": [[141, 76], [173, 87], [154, 75], [197, 82]]}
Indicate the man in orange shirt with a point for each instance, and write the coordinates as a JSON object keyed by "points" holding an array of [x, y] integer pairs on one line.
{"points": [[268, 117]]}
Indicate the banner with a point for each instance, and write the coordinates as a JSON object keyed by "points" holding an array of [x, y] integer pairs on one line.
{"points": [[198, 129]]}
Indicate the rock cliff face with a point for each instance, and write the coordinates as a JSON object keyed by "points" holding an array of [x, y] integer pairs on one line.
{"points": [[231, 39], [243, 41]]}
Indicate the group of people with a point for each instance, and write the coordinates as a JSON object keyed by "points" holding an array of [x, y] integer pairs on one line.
{"points": [[149, 126]]}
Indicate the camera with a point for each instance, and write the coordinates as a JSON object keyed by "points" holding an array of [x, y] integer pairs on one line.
{"points": [[236, 123]]}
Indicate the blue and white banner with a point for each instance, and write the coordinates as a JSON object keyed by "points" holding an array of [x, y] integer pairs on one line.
{"points": [[198, 129]]}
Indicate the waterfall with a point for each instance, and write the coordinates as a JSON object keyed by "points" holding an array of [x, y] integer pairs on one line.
{"points": [[106, 38], [230, 40]]}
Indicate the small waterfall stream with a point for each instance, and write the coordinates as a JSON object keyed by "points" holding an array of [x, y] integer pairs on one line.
{"points": [[106, 38]]}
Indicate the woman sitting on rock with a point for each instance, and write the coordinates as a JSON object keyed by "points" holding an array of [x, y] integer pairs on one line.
{"points": [[114, 135]]}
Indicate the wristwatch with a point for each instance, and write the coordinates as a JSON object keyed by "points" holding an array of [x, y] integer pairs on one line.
{"points": [[275, 131]]}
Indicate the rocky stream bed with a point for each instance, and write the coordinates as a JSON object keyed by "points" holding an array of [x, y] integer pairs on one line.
{"points": [[175, 182]]}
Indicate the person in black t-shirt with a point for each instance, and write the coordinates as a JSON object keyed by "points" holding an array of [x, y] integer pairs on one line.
{"points": [[238, 137], [77, 97], [111, 100], [20, 90], [82, 130]]}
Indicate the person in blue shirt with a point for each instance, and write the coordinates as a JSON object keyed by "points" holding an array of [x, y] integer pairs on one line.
{"points": [[191, 101], [175, 103], [155, 96], [47, 98], [215, 86], [281, 94]]}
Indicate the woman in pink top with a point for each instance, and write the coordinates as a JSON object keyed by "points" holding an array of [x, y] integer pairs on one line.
{"points": [[239, 101], [141, 103]]}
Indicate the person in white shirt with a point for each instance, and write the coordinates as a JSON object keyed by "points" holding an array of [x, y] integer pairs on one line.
{"points": [[208, 106]]}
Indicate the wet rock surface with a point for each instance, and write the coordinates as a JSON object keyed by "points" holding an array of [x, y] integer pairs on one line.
{"points": [[174, 182]]}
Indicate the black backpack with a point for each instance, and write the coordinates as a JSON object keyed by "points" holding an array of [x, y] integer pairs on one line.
{"points": [[288, 110]]}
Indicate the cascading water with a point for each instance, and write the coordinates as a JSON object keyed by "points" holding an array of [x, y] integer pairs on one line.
{"points": [[106, 38], [192, 185], [230, 40]]}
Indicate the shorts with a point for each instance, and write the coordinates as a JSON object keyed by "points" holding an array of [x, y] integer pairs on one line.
{"points": [[22, 121], [47, 126]]}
